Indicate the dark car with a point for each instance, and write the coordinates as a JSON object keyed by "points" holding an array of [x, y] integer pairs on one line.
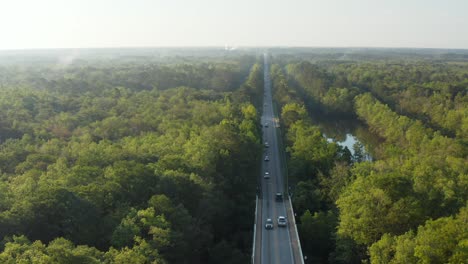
{"points": [[267, 158], [269, 224], [279, 197]]}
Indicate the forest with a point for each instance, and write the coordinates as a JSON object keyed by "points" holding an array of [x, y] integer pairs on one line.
{"points": [[408, 204], [152, 156], [128, 159]]}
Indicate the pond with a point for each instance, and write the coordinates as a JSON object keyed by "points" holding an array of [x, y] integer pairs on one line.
{"points": [[352, 134], [353, 144]]}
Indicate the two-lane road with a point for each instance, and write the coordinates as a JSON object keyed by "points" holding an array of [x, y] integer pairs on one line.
{"points": [[273, 245]]}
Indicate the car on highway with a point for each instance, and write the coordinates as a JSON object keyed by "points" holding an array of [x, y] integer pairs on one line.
{"points": [[267, 175], [267, 145], [269, 224], [267, 158], [282, 221], [279, 197], [266, 124]]}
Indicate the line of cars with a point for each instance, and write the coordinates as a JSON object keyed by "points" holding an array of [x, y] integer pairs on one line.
{"points": [[267, 158], [281, 222]]}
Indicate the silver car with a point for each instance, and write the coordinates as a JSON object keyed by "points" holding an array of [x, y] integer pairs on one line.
{"points": [[269, 224], [282, 221]]}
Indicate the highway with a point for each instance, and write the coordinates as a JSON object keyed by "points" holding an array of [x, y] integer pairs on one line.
{"points": [[280, 244]]}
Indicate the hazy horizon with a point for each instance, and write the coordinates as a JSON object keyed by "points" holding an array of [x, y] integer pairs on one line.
{"points": [[55, 24]]}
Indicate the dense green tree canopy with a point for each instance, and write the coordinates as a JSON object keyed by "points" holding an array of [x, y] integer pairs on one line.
{"points": [[129, 161], [144, 157], [403, 205]]}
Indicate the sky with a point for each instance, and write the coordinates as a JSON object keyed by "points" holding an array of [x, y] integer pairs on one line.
{"points": [[34, 24]]}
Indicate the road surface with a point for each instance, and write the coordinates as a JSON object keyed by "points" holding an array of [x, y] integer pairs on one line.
{"points": [[278, 245]]}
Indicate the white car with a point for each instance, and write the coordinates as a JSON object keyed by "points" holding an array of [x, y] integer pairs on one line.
{"points": [[267, 175], [267, 158], [269, 224], [282, 221], [267, 145]]}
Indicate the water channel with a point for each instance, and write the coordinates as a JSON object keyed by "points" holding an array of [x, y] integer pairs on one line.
{"points": [[349, 133]]}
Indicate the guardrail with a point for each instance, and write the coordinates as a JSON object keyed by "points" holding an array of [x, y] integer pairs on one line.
{"points": [[297, 233], [255, 230]]}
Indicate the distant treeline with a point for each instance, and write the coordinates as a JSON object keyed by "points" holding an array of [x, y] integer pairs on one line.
{"points": [[368, 54]]}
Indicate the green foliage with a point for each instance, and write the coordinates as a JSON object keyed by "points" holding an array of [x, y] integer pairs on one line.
{"points": [[141, 160], [432, 92], [309, 151], [340, 177], [307, 197], [291, 113], [60, 250], [283, 93], [347, 251], [142, 253], [415, 157], [317, 231], [437, 241], [418, 109], [339, 100], [376, 204]]}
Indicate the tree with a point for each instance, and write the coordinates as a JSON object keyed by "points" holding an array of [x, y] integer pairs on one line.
{"points": [[307, 197], [437, 241], [317, 232]]}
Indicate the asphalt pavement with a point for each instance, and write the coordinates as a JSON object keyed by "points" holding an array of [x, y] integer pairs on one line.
{"points": [[273, 245]]}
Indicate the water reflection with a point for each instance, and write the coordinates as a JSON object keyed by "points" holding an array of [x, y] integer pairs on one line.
{"points": [[352, 134], [348, 142], [357, 149]]}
